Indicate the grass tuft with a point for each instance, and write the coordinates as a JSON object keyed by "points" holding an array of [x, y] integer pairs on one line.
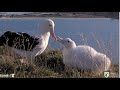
{"points": [[47, 65]]}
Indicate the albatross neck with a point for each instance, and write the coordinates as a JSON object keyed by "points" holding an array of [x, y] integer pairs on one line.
{"points": [[46, 36]]}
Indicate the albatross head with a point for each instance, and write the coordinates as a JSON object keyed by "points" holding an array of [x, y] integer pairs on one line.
{"points": [[67, 42], [49, 27]]}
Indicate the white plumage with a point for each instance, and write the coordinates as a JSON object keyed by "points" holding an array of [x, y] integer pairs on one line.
{"points": [[83, 57]]}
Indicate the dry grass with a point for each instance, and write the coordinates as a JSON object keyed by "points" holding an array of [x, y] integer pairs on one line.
{"points": [[47, 65]]}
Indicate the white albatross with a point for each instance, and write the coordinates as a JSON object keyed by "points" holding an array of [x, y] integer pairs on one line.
{"points": [[26, 45], [83, 57]]}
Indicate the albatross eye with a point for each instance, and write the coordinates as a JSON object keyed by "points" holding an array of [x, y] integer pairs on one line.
{"points": [[49, 24], [68, 41]]}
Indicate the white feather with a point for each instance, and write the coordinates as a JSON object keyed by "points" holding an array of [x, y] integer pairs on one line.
{"points": [[83, 57]]}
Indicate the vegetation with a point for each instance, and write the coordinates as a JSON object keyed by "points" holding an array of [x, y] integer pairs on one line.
{"points": [[47, 65]]}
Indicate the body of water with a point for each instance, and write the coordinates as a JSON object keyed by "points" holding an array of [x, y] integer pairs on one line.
{"points": [[99, 33]]}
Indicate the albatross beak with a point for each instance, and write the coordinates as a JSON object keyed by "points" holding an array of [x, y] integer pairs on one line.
{"points": [[54, 36], [60, 39]]}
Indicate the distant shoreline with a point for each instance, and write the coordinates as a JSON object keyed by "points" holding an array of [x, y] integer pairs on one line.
{"points": [[54, 18], [63, 15]]}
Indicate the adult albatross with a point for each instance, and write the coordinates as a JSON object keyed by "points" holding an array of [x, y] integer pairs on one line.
{"points": [[26, 45]]}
